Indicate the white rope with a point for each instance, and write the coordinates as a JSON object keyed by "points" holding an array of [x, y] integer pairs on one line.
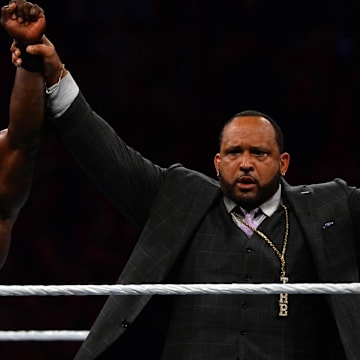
{"points": [[153, 289], [43, 335], [179, 289]]}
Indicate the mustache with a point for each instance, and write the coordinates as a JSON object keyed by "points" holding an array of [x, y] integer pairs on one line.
{"points": [[246, 179]]}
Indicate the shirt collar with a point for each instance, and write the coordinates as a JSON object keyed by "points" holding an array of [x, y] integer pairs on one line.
{"points": [[268, 207]]}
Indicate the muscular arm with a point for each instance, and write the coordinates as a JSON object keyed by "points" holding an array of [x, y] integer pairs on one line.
{"points": [[18, 147], [20, 141]]}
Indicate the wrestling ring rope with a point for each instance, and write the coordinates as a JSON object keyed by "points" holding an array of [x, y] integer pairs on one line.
{"points": [[154, 289]]}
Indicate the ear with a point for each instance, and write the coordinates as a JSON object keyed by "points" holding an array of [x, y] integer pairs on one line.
{"points": [[217, 162], [284, 163]]}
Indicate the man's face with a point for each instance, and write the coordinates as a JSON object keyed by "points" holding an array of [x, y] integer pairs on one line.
{"points": [[249, 163]]}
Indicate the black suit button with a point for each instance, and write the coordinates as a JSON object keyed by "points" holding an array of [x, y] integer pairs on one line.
{"points": [[124, 324], [249, 250]]}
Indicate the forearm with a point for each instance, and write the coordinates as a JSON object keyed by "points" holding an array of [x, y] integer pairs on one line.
{"points": [[20, 141], [27, 107]]}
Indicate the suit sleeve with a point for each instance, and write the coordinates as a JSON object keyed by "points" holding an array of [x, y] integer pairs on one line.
{"points": [[123, 175]]}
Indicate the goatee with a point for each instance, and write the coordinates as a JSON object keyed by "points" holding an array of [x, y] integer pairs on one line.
{"points": [[245, 200]]}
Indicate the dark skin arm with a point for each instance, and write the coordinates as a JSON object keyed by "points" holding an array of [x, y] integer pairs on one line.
{"points": [[21, 140]]}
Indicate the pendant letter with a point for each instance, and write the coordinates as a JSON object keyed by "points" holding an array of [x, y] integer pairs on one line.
{"points": [[283, 301]]}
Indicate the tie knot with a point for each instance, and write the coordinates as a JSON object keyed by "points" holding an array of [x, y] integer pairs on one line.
{"points": [[247, 214], [253, 212]]}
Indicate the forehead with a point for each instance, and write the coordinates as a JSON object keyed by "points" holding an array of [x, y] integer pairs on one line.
{"points": [[255, 128]]}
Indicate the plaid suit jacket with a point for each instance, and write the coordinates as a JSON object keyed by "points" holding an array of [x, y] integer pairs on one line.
{"points": [[175, 200]]}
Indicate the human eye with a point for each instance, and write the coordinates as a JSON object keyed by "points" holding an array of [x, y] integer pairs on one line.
{"points": [[261, 154], [234, 151]]}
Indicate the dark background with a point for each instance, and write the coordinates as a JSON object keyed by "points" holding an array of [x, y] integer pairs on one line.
{"points": [[166, 75]]}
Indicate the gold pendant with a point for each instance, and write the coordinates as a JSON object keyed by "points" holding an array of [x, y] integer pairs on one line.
{"points": [[283, 301]]}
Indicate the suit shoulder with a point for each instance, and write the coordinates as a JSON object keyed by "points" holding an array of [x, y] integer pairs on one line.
{"points": [[334, 188], [333, 184], [336, 184], [180, 174]]}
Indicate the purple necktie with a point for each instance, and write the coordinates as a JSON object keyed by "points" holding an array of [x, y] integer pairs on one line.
{"points": [[249, 218]]}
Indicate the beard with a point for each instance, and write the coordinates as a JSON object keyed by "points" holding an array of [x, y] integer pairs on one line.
{"points": [[245, 199]]}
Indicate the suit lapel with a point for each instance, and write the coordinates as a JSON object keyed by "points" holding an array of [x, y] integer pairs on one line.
{"points": [[160, 245], [301, 200]]}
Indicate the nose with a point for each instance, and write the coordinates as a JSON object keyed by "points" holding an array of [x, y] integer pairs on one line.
{"points": [[246, 162]]}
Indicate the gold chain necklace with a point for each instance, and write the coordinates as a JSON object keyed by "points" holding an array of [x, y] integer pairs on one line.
{"points": [[283, 301]]}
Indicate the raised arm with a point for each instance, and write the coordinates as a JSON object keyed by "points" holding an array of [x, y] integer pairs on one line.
{"points": [[119, 172], [20, 141]]}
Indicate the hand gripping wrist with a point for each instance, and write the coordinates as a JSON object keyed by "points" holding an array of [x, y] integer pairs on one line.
{"points": [[33, 63]]}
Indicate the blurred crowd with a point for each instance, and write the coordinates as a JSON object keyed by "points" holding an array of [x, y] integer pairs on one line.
{"points": [[166, 75]]}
